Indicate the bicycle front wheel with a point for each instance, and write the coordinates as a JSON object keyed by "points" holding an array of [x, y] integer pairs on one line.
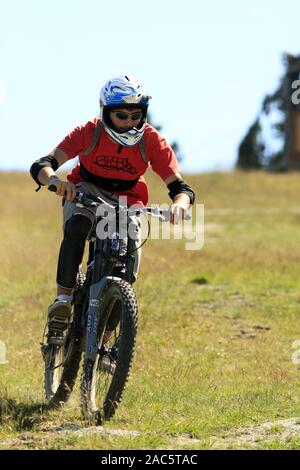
{"points": [[104, 380]]}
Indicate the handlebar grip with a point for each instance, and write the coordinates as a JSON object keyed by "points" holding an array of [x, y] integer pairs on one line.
{"points": [[52, 188]]}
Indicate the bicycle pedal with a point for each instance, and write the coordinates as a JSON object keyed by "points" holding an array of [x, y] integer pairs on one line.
{"points": [[56, 340]]}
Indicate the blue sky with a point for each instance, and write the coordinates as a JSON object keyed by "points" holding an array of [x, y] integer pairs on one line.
{"points": [[207, 66]]}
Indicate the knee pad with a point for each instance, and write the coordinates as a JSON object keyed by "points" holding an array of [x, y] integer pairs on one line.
{"points": [[78, 227]]}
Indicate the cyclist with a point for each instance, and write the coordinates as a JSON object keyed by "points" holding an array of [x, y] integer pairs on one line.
{"points": [[114, 152]]}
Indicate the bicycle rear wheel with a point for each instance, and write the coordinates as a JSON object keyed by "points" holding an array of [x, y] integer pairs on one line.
{"points": [[62, 355], [53, 357], [104, 380]]}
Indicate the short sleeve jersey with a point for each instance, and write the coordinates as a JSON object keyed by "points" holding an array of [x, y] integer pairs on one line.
{"points": [[111, 160]]}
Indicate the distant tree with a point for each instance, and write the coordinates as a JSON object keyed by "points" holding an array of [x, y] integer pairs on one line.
{"points": [[254, 150], [175, 145], [251, 149]]}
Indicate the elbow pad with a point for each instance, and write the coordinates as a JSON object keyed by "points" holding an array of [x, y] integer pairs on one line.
{"points": [[42, 163], [180, 186]]}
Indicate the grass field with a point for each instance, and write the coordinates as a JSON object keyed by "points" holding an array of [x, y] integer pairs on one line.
{"points": [[213, 367]]}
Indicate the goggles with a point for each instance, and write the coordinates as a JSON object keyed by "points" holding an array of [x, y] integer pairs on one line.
{"points": [[137, 116]]}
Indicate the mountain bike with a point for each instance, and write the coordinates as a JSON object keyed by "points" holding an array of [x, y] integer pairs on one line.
{"points": [[103, 324]]}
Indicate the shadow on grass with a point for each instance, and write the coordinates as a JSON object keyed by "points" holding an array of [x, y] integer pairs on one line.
{"points": [[21, 416]]}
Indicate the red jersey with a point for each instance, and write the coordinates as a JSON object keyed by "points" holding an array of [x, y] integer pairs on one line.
{"points": [[111, 160]]}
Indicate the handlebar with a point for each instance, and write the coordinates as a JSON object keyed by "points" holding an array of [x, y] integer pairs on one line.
{"points": [[89, 200]]}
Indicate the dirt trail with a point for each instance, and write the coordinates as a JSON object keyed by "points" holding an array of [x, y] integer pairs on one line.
{"points": [[280, 430]]}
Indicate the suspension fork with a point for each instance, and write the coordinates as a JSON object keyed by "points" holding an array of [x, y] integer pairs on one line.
{"points": [[130, 258]]}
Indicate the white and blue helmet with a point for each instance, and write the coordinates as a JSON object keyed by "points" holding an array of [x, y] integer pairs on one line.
{"points": [[123, 92]]}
